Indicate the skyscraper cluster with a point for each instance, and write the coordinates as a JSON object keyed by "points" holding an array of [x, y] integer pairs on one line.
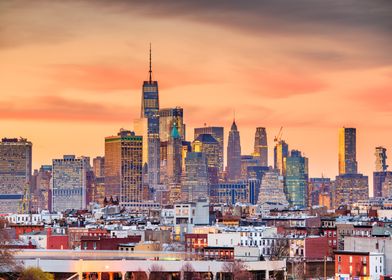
{"points": [[155, 163]]}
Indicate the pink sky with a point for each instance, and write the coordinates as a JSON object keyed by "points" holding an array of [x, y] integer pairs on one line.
{"points": [[71, 73]]}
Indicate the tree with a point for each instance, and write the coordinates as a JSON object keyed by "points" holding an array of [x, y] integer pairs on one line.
{"points": [[280, 250], [34, 273], [189, 272], [7, 260], [139, 275], [237, 270], [157, 272]]}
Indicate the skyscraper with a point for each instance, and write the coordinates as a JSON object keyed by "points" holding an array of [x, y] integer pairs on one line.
{"points": [[174, 157], [15, 167], [123, 167], [218, 133], [41, 192], [347, 151], [195, 180], [381, 173], [350, 186], [148, 127], [381, 159], [167, 118], [234, 154], [281, 151], [99, 167], [261, 146], [209, 146], [296, 179], [69, 183]]}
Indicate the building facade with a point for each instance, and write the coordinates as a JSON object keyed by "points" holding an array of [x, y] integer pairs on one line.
{"points": [[296, 187], [195, 180], [234, 154], [261, 146], [123, 167], [218, 133], [69, 183], [347, 151], [167, 118], [281, 151], [15, 175]]}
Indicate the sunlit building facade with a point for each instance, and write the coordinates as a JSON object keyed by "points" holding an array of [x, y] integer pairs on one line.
{"points": [[167, 118], [347, 151], [350, 188], [281, 151], [15, 172], [218, 133], [69, 183], [123, 167], [209, 146], [261, 146]]}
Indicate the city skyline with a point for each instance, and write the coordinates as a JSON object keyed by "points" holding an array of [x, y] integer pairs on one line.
{"points": [[91, 94]]}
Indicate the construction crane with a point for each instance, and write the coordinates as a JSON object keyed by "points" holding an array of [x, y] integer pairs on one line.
{"points": [[279, 136]]}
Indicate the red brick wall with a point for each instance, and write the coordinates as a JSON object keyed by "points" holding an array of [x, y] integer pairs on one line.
{"points": [[316, 248]]}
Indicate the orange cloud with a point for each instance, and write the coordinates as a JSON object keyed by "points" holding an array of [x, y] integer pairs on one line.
{"points": [[51, 108], [283, 84]]}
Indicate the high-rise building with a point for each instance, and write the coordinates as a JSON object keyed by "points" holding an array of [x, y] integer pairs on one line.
{"points": [[319, 188], [69, 183], [281, 151], [99, 167], [218, 133], [261, 146], [15, 175], [148, 127], [41, 193], [123, 167], [350, 188], [195, 179], [234, 154], [381, 172], [167, 118], [209, 146], [347, 151], [381, 159], [272, 189], [174, 157], [246, 162], [387, 186], [296, 179]]}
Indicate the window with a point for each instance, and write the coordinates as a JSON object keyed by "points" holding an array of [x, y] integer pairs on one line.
{"points": [[351, 259], [339, 258]]}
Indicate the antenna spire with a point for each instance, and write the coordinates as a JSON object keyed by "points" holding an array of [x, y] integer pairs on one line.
{"points": [[150, 71]]}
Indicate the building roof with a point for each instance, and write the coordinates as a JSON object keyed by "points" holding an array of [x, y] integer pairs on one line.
{"points": [[206, 138]]}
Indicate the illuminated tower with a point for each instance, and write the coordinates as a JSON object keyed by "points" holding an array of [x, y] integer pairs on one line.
{"points": [[234, 154], [148, 127], [261, 147], [347, 151], [281, 151]]}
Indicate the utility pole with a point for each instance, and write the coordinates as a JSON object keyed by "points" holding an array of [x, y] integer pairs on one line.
{"points": [[325, 267]]}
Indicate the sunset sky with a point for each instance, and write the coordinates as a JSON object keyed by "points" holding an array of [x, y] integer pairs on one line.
{"points": [[71, 71]]}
